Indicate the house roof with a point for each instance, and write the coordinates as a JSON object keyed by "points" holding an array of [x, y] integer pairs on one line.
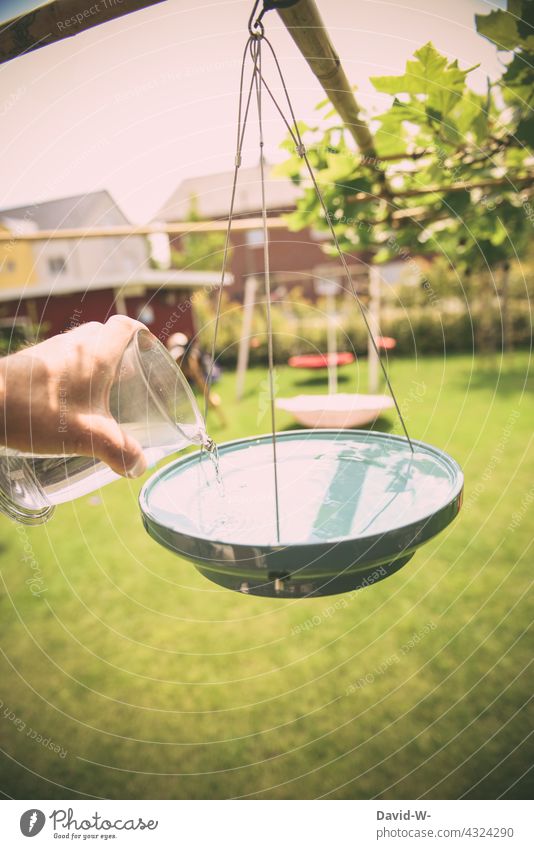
{"points": [[210, 195], [146, 278], [62, 213], [16, 225]]}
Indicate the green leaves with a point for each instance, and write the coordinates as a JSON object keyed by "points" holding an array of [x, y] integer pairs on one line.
{"points": [[525, 131], [436, 135], [390, 137], [430, 78], [428, 67], [511, 29], [519, 78], [473, 116], [426, 96]]}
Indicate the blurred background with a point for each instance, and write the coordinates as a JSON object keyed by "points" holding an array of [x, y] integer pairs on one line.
{"points": [[124, 672]]}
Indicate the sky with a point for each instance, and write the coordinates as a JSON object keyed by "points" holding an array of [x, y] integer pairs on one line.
{"points": [[11, 8], [142, 102]]}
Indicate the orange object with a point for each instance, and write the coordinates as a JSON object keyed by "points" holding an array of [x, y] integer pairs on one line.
{"points": [[386, 343], [321, 360]]}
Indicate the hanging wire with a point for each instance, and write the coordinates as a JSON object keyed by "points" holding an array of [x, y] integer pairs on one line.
{"points": [[257, 82], [241, 127], [266, 269], [301, 151], [253, 46]]}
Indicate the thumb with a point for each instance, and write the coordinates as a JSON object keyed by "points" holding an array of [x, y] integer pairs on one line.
{"points": [[115, 447]]}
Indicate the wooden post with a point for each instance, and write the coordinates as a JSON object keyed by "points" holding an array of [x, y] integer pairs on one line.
{"points": [[374, 323], [328, 287], [505, 308], [251, 285], [332, 342], [120, 302]]}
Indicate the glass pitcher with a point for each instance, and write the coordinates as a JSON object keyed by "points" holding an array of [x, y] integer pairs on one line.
{"points": [[150, 399]]}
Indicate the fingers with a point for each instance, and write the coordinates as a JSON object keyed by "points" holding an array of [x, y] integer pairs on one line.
{"points": [[108, 442], [116, 334], [94, 353], [101, 342], [125, 322], [103, 436]]}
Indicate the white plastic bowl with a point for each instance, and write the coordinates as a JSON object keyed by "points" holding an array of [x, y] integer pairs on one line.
{"points": [[335, 411]]}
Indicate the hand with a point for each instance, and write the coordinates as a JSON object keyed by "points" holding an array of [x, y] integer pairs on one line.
{"points": [[54, 396]]}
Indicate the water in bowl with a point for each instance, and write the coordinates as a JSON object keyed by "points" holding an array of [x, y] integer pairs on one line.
{"points": [[328, 490]]}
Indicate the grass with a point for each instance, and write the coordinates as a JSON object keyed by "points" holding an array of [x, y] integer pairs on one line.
{"points": [[157, 684]]}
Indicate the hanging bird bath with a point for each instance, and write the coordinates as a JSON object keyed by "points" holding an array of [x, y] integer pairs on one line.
{"points": [[354, 506], [320, 361], [306, 513]]}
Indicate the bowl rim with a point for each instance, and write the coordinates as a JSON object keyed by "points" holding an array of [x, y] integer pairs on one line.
{"points": [[455, 498]]}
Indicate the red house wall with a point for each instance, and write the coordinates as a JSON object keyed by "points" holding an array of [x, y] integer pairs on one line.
{"points": [[57, 313], [293, 253], [54, 314], [288, 252], [173, 312]]}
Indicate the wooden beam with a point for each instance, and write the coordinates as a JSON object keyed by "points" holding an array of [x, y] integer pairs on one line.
{"points": [[461, 186], [239, 225], [307, 30], [58, 20], [126, 230]]}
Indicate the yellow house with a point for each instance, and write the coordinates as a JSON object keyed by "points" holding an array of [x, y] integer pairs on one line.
{"points": [[17, 267]]}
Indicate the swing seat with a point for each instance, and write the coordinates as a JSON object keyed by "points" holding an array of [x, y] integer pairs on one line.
{"points": [[335, 411], [321, 360]]}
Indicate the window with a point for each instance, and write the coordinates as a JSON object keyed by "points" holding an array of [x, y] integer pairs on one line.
{"points": [[146, 314], [254, 238], [319, 235], [57, 264]]}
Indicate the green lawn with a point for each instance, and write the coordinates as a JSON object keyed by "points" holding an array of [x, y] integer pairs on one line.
{"points": [[157, 684]]}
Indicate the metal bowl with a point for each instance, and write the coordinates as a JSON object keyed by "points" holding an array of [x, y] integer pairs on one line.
{"points": [[354, 506]]}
